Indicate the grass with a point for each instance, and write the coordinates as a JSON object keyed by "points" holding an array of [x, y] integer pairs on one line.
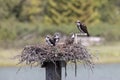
{"points": [[15, 34], [6, 57], [108, 53], [109, 31]]}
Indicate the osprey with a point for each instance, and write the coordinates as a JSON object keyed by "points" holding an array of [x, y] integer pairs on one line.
{"points": [[56, 37], [49, 41], [82, 28], [70, 40], [52, 41]]}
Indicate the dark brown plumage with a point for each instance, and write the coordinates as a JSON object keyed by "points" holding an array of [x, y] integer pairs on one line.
{"points": [[82, 28], [52, 41]]}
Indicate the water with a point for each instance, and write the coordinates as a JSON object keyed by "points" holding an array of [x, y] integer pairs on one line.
{"points": [[101, 72]]}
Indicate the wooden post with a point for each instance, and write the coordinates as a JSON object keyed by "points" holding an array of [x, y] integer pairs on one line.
{"points": [[53, 70], [79, 35]]}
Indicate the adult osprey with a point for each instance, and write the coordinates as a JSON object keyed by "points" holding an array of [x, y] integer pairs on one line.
{"points": [[52, 41], [82, 28]]}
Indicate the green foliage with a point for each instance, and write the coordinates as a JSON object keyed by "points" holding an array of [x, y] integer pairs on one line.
{"points": [[30, 9], [61, 11], [108, 31], [19, 34], [64, 11], [23, 20], [109, 10], [6, 7], [16, 33]]}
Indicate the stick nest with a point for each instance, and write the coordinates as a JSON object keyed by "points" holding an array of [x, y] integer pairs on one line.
{"points": [[42, 53]]}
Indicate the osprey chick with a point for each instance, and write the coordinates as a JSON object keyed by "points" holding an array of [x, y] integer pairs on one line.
{"points": [[56, 37], [49, 41], [52, 41], [70, 40]]}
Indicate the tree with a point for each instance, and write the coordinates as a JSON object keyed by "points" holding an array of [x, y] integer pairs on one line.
{"points": [[59, 11], [6, 7], [31, 9]]}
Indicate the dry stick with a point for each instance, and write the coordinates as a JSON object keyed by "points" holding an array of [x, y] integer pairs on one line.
{"points": [[75, 68], [75, 52], [65, 69], [18, 69]]}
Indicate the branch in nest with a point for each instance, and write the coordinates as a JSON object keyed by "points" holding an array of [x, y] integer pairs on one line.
{"points": [[41, 53]]}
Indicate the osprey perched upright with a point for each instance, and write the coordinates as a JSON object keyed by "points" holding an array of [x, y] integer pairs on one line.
{"points": [[82, 28]]}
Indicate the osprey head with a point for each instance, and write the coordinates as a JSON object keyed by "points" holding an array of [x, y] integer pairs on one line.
{"points": [[48, 40], [47, 37], [78, 22], [57, 36], [73, 36]]}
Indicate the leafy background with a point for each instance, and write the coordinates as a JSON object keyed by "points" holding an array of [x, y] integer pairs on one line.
{"points": [[28, 21]]}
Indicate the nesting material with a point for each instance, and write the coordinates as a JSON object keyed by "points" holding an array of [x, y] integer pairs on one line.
{"points": [[39, 54]]}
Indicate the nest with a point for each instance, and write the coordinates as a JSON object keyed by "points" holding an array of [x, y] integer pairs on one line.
{"points": [[42, 53], [39, 54]]}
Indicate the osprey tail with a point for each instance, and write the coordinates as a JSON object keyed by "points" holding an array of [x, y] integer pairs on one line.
{"points": [[88, 34]]}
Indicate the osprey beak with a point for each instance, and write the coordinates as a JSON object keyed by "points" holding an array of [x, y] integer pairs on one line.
{"points": [[78, 21]]}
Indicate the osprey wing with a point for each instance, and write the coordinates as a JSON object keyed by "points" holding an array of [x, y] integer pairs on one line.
{"points": [[84, 29]]}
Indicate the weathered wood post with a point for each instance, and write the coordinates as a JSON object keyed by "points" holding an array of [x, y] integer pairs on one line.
{"points": [[53, 70]]}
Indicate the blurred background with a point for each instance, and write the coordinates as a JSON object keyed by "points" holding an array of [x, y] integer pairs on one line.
{"points": [[25, 22]]}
